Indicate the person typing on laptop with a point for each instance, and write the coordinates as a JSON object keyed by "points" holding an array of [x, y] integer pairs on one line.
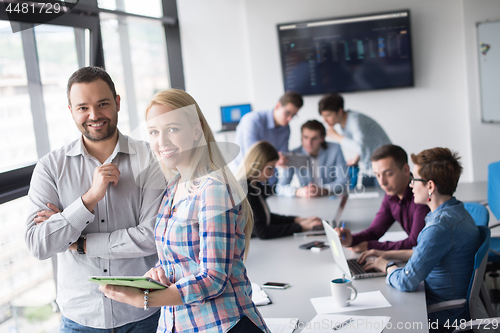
{"points": [[390, 165], [444, 255], [257, 167]]}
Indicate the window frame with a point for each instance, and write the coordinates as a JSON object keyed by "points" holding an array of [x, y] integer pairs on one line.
{"points": [[85, 15]]}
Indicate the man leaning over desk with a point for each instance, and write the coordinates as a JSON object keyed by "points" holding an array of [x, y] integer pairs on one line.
{"points": [[271, 126], [94, 203], [390, 165]]}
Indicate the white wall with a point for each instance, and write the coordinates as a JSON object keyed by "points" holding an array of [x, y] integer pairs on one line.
{"points": [[485, 138], [215, 54], [231, 54]]}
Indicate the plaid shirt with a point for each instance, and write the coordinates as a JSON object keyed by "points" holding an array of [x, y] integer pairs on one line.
{"points": [[201, 244]]}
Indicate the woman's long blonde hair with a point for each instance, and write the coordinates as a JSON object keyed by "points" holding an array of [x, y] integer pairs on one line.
{"points": [[207, 159], [259, 154]]}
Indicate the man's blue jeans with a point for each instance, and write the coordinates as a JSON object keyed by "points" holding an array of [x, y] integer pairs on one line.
{"points": [[148, 325]]}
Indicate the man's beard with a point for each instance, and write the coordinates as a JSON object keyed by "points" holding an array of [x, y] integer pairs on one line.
{"points": [[108, 132]]}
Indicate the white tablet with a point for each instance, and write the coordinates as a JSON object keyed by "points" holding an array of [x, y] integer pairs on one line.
{"points": [[129, 281], [297, 160]]}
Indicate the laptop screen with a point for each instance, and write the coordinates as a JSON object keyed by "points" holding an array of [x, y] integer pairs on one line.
{"points": [[336, 220], [232, 114], [337, 250]]}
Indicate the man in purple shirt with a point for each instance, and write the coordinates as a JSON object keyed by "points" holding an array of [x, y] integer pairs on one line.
{"points": [[390, 165]]}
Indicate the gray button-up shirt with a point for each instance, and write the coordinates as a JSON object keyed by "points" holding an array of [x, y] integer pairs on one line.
{"points": [[362, 135], [120, 230]]}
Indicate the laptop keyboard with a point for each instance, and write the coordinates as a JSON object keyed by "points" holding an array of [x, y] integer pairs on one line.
{"points": [[357, 269]]}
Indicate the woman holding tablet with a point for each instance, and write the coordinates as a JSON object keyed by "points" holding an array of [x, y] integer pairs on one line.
{"points": [[202, 230], [257, 167], [446, 246]]}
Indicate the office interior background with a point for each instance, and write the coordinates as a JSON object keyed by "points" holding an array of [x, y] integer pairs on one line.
{"points": [[222, 52]]}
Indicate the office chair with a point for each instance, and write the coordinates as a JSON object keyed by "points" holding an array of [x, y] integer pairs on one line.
{"points": [[494, 250], [494, 204], [479, 213], [481, 216], [477, 304], [494, 189]]}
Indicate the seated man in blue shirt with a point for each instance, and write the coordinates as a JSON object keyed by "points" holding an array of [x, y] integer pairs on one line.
{"points": [[271, 126], [326, 169]]}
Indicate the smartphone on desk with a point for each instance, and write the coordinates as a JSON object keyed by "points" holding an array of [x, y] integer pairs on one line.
{"points": [[319, 248], [275, 285], [310, 245]]}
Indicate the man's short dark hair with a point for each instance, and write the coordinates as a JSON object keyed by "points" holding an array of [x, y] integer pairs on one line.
{"points": [[315, 125], [88, 75], [397, 153], [332, 102], [292, 97]]}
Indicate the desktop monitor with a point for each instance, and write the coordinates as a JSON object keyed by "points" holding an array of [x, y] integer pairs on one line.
{"points": [[231, 115]]}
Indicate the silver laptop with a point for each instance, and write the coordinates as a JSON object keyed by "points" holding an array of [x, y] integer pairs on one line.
{"points": [[351, 268], [336, 220], [320, 231]]}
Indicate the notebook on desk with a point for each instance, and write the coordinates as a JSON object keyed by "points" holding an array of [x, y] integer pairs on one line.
{"points": [[350, 267]]}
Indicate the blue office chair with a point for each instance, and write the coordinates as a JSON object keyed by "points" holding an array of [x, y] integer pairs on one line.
{"points": [[478, 212], [476, 303], [494, 204], [494, 189], [494, 250], [482, 217]]}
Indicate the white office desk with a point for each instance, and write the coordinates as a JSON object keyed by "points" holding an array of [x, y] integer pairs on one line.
{"points": [[358, 213], [309, 273]]}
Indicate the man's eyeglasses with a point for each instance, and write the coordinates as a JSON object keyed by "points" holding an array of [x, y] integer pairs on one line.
{"points": [[413, 180], [290, 115]]}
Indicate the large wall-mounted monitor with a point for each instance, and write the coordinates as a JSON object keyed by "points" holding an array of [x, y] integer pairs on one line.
{"points": [[356, 53]]}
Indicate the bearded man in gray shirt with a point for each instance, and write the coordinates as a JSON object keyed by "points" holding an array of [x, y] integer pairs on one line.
{"points": [[94, 203]]}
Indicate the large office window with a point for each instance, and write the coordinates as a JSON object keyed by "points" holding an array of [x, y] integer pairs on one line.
{"points": [[27, 288], [139, 46], [58, 49], [18, 144], [139, 71], [151, 8]]}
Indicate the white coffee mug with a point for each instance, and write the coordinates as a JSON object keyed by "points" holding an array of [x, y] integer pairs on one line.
{"points": [[342, 292]]}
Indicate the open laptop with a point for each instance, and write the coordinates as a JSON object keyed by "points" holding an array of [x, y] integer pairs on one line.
{"points": [[350, 267], [336, 220], [231, 115], [319, 230]]}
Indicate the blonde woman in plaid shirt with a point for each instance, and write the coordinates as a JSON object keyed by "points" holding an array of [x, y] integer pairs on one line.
{"points": [[203, 228]]}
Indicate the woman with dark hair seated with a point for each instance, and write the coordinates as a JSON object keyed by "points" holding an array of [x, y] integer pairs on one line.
{"points": [[446, 246], [257, 167]]}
